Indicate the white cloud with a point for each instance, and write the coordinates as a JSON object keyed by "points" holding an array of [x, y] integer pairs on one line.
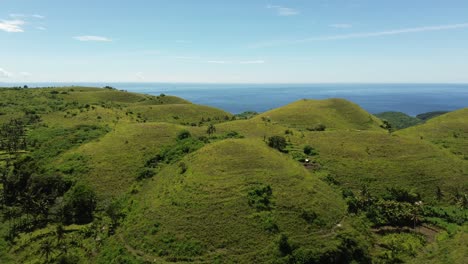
{"points": [[38, 16], [219, 62], [236, 62], [181, 41], [283, 11], [25, 74], [5, 74], [140, 76], [17, 15], [12, 25], [363, 35], [93, 38], [25, 16], [186, 57], [41, 28], [388, 32], [253, 62], [341, 26]]}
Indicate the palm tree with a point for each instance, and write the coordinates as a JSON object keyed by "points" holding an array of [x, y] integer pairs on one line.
{"points": [[211, 129], [46, 249], [60, 232], [440, 195]]}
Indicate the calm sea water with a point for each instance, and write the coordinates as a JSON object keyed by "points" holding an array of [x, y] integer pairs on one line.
{"points": [[412, 99]]}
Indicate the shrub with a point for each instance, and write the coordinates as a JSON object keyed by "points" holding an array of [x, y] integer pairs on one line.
{"points": [[308, 150], [260, 197], [277, 142], [145, 174], [183, 135], [183, 167], [283, 245], [308, 216], [319, 127]]}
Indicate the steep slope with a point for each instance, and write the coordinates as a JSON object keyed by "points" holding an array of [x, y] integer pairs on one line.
{"points": [[112, 163], [189, 114], [448, 131], [220, 209], [334, 114], [383, 161]]}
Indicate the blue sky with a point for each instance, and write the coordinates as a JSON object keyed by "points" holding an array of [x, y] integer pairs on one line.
{"points": [[242, 41]]}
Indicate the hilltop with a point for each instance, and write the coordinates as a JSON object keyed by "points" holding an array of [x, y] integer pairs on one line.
{"points": [[100, 175], [330, 114]]}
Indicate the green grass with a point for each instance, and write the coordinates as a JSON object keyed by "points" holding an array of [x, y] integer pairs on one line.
{"points": [[448, 131], [116, 159], [205, 214], [187, 114], [334, 114], [213, 199]]}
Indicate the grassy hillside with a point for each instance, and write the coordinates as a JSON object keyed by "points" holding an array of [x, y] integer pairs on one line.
{"points": [[448, 131], [187, 114], [399, 120], [92, 175], [333, 114], [204, 212]]}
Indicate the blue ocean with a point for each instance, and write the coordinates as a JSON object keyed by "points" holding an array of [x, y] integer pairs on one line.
{"points": [[412, 99]]}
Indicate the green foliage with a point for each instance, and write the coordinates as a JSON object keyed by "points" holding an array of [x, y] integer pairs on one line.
{"points": [[184, 134], [430, 115], [79, 204], [401, 195], [308, 150], [260, 197], [145, 173], [50, 142], [211, 129], [399, 247], [398, 120], [175, 152], [246, 115], [217, 204], [284, 247], [277, 142]]}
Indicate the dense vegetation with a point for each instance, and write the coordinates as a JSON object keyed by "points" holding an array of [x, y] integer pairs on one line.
{"points": [[398, 120], [93, 175]]}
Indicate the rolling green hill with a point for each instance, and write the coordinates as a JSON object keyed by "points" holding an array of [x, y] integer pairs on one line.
{"points": [[399, 120], [448, 131], [108, 176], [207, 215], [333, 114]]}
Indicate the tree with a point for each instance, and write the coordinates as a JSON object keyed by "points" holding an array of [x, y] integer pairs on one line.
{"points": [[80, 203], [60, 232], [46, 249], [12, 140], [308, 150], [277, 142], [283, 245], [211, 129], [114, 210], [439, 194]]}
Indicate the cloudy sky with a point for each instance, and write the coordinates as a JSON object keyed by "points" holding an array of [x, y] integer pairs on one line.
{"points": [[242, 41]]}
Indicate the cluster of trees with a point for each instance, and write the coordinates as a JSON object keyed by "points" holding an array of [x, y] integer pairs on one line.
{"points": [[400, 207], [31, 198]]}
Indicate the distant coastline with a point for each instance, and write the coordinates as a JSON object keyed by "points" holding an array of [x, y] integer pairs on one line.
{"points": [[411, 99]]}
